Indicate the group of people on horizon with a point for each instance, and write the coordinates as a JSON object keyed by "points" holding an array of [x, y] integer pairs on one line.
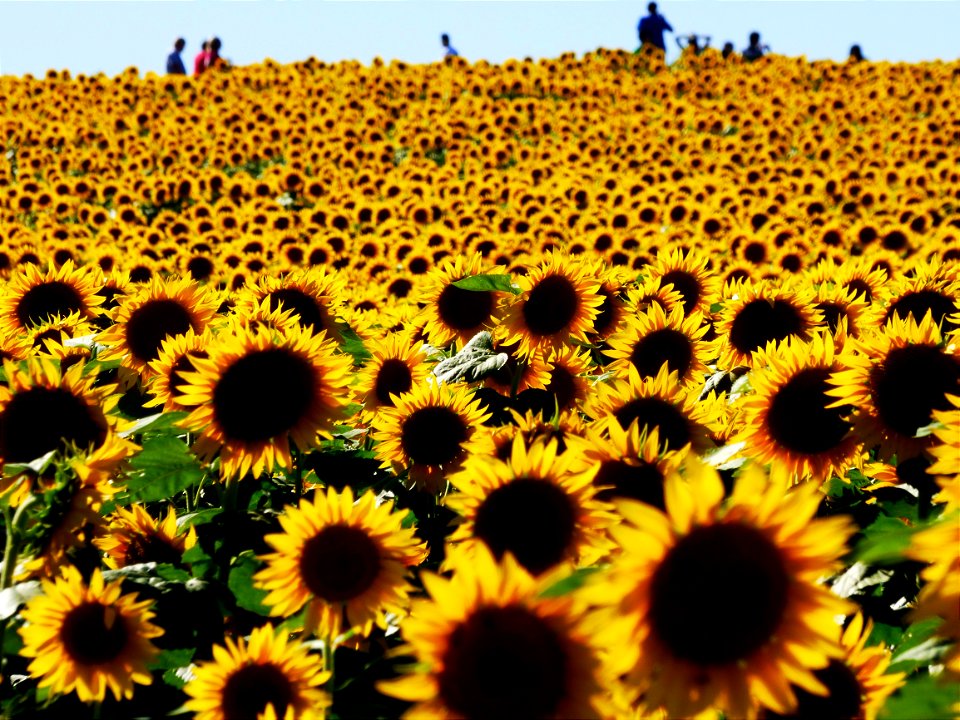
{"points": [[652, 27], [208, 57]]}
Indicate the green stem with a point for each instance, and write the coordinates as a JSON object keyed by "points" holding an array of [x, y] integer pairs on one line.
{"points": [[297, 474], [230, 490], [11, 521]]}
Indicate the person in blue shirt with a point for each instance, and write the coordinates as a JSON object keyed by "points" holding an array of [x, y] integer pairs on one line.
{"points": [[754, 51], [651, 28], [174, 61], [448, 49]]}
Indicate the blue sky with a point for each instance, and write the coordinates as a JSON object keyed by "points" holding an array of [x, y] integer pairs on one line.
{"points": [[89, 36]]}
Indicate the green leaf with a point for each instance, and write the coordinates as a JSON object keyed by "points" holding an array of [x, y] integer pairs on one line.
{"points": [[918, 647], [498, 282], [241, 584], [884, 541], [887, 635], [574, 581], [164, 467], [35, 467], [164, 423], [352, 344], [172, 659], [923, 696]]}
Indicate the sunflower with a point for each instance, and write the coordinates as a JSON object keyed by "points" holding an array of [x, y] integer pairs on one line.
{"points": [[88, 638], [33, 296], [396, 366], [843, 311], [346, 561], [931, 289], [658, 402], [144, 319], [791, 421], [719, 605], [655, 338], [762, 313], [626, 463], [519, 373], [43, 410], [687, 274], [175, 357], [862, 280], [558, 303], [531, 506], [857, 683], [897, 379], [314, 297], [568, 387], [613, 288], [534, 427], [946, 450], [429, 432], [257, 391], [937, 547], [451, 313], [489, 644], [265, 676], [135, 537]]}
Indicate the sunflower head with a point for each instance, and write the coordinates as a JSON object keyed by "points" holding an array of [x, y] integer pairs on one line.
{"points": [[88, 638]]}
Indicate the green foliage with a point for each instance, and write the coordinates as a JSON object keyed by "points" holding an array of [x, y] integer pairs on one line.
{"points": [[164, 467], [496, 282]]}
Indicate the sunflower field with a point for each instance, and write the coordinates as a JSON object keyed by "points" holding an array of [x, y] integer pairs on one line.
{"points": [[583, 387]]}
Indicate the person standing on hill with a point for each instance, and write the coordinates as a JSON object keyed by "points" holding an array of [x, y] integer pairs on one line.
{"points": [[174, 61], [202, 60], [448, 49], [754, 51], [651, 29]]}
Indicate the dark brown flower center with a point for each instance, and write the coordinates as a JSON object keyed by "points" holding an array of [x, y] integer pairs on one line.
{"points": [[662, 346], [619, 479], [654, 412], [504, 662], [464, 310], [719, 594], [40, 419], [921, 302], [433, 435], [339, 563], [152, 323], [264, 394], [93, 634], [551, 306], [531, 518], [842, 701], [151, 548], [798, 417], [911, 383], [46, 300], [249, 691], [393, 377], [308, 312], [687, 285], [761, 321]]}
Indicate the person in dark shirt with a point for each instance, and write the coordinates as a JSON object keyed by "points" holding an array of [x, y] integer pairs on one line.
{"points": [[651, 28], [856, 54], [448, 49], [174, 61], [727, 50], [754, 51]]}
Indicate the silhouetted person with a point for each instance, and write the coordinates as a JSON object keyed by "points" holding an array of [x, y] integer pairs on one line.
{"points": [[697, 43], [856, 54], [448, 49], [202, 60], [651, 28], [754, 50], [214, 59], [727, 50], [174, 61]]}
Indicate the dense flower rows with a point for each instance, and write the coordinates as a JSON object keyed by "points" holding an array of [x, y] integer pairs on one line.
{"points": [[573, 388]]}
